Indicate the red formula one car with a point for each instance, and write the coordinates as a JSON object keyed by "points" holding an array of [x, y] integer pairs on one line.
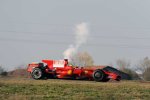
{"points": [[60, 69]]}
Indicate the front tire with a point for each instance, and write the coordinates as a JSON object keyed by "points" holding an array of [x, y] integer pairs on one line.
{"points": [[37, 73], [98, 75]]}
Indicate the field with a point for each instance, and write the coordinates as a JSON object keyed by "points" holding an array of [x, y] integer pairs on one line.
{"points": [[53, 89]]}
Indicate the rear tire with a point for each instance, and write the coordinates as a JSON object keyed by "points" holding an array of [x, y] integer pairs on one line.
{"points": [[37, 73], [98, 75]]}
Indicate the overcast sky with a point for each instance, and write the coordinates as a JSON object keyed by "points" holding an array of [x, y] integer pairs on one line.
{"points": [[31, 30]]}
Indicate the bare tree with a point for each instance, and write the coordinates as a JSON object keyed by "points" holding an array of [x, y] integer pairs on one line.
{"points": [[122, 64], [82, 59], [146, 74], [144, 64], [144, 67]]}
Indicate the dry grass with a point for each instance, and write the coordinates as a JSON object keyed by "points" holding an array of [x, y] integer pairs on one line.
{"points": [[53, 89]]}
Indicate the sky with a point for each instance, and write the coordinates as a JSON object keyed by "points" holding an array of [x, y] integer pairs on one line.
{"points": [[32, 30]]}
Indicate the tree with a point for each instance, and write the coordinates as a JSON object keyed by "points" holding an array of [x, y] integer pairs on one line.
{"points": [[146, 74], [2, 71], [144, 66], [124, 66], [82, 59]]}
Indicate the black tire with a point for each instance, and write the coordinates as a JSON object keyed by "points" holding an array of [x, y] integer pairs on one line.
{"points": [[98, 75], [37, 73]]}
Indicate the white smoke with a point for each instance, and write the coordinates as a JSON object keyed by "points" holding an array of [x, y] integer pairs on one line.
{"points": [[81, 36], [68, 53]]}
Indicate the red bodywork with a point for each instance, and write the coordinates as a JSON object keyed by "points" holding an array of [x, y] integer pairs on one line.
{"points": [[61, 69]]}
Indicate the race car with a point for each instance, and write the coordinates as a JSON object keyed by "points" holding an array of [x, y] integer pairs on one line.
{"points": [[62, 70]]}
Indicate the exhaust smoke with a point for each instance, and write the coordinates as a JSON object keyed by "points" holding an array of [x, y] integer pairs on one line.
{"points": [[81, 35]]}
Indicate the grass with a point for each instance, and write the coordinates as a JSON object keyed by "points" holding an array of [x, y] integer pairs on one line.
{"points": [[53, 89]]}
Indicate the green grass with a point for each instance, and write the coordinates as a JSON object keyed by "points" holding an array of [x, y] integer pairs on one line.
{"points": [[28, 89]]}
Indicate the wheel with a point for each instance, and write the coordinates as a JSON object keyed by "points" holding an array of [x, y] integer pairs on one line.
{"points": [[98, 75], [37, 73]]}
